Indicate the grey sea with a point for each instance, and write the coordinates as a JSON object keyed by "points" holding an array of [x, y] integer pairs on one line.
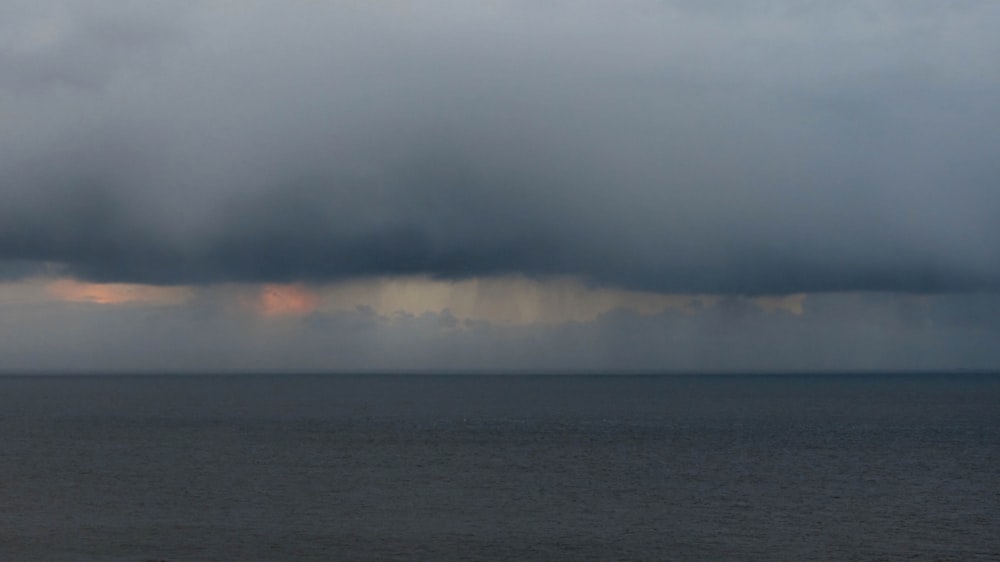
{"points": [[433, 467]]}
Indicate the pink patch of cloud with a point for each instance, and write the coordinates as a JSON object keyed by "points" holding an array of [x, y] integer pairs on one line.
{"points": [[114, 293], [287, 300]]}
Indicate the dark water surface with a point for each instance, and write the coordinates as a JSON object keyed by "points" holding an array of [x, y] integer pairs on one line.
{"points": [[199, 468]]}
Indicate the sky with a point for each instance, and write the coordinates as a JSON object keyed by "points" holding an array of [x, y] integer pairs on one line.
{"points": [[340, 185]]}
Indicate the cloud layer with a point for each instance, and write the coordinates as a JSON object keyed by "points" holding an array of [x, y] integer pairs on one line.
{"points": [[677, 146], [217, 332]]}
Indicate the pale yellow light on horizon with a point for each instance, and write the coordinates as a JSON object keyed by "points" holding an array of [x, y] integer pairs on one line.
{"points": [[508, 300], [511, 300], [787, 303]]}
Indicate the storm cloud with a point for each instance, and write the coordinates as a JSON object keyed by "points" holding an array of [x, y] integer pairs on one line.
{"points": [[695, 147]]}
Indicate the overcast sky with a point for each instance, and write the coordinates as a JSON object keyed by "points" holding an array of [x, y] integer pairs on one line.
{"points": [[676, 185]]}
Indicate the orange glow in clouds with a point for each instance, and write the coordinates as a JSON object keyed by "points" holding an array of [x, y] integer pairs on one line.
{"points": [[287, 300], [113, 293]]}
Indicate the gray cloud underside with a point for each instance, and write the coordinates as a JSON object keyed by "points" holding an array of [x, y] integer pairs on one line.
{"points": [[670, 146]]}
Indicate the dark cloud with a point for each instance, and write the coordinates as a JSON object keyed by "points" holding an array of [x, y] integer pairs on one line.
{"points": [[670, 146], [16, 270]]}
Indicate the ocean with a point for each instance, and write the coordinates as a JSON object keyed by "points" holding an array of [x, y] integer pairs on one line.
{"points": [[491, 467]]}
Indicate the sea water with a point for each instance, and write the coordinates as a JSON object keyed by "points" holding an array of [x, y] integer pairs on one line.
{"points": [[429, 467]]}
